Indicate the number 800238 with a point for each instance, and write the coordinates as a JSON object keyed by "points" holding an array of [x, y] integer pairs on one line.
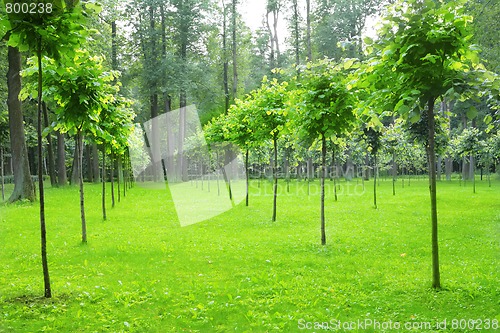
{"points": [[28, 8]]}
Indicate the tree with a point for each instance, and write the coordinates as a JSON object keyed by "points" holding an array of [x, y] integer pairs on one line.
{"points": [[53, 30], [326, 108], [270, 99], [468, 145], [23, 184], [423, 53]]}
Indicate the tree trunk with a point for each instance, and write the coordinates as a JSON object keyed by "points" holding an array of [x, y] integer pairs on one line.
{"points": [[112, 178], [275, 176], [308, 30], [334, 175], [62, 178], [235, 67], [104, 182], [436, 279], [75, 172], [52, 164], [2, 173], [120, 174], [448, 166], [79, 148], [23, 184], [95, 164], [394, 171], [472, 172], [88, 161], [225, 79], [43, 230], [247, 177], [296, 32], [375, 180], [323, 175]]}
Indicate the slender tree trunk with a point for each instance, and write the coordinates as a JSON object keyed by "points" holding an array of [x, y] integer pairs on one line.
{"points": [[120, 175], [472, 172], [112, 179], [225, 80], [50, 151], [95, 164], [104, 182], [275, 176], [247, 176], [323, 175], [43, 231], [375, 180], [62, 178], [296, 32], [334, 175], [79, 147], [308, 30], [394, 170], [436, 279], [235, 66], [75, 172], [2, 173], [23, 184]]}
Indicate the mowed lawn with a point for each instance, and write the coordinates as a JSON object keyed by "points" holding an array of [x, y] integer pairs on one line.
{"points": [[239, 272]]}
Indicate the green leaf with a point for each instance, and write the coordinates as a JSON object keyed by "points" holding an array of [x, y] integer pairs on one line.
{"points": [[472, 112]]}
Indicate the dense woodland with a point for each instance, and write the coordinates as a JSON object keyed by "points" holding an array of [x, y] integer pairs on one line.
{"points": [[328, 99]]}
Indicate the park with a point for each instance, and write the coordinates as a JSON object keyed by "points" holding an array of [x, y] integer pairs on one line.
{"points": [[171, 166]]}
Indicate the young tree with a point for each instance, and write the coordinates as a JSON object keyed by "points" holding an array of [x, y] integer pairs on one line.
{"points": [[53, 30], [424, 52], [270, 100], [326, 108]]}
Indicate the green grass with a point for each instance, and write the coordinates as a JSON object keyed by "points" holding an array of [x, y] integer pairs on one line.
{"points": [[240, 272]]}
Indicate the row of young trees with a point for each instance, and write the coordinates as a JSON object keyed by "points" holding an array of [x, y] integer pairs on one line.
{"points": [[63, 76], [423, 56]]}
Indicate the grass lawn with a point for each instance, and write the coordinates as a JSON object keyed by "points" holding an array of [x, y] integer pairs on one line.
{"points": [[239, 272]]}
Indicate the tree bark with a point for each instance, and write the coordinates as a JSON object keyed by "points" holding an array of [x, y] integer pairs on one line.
{"points": [[43, 230], [2, 173], [62, 178], [79, 148], [275, 176], [50, 151], [95, 164], [23, 184], [247, 177], [375, 180], [436, 279], [104, 182], [323, 175], [308, 30], [235, 65]]}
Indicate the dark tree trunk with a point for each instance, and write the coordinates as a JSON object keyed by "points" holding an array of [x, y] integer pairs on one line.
{"points": [[23, 185], [43, 230], [431, 153], [247, 177], [79, 148], [235, 67], [88, 161], [50, 146], [225, 80], [112, 179], [95, 164], [275, 176], [308, 30], [62, 177], [104, 182], [323, 176], [375, 180], [2, 173], [75, 171]]}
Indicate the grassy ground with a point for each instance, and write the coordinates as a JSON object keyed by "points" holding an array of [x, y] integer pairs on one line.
{"points": [[142, 272]]}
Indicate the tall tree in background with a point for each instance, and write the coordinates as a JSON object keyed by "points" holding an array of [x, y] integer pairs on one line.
{"points": [[23, 185]]}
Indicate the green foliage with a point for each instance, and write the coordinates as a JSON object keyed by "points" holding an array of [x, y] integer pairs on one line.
{"points": [[424, 52], [323, 103], [55, 31]]}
